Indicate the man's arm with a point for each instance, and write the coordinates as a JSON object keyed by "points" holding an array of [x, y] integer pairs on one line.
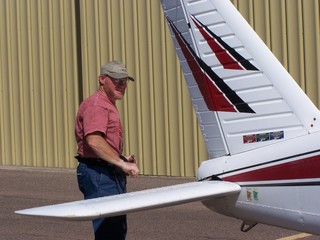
{"points": [[102, 149]]}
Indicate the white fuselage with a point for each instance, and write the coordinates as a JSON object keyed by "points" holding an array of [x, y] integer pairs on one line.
{"points": [[280, 184]]}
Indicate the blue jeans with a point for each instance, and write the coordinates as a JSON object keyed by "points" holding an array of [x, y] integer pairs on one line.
{"points": [[98, 181]]}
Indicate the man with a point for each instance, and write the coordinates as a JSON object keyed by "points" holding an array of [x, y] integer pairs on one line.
{"points": [[102, 169]]}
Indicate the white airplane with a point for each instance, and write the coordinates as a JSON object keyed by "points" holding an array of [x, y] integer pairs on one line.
{"points": [[260, 129]]}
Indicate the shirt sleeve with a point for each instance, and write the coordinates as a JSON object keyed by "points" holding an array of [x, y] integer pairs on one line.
{"points": [[95, 119]]}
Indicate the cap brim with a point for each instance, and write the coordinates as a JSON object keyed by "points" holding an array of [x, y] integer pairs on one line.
{"points": [[120, 75]]}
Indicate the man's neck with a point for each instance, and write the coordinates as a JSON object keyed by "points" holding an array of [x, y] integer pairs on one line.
{"points": [[102, 92]]}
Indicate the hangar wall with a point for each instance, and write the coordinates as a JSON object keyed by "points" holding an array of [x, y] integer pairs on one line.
{"points": [[51, 52]]}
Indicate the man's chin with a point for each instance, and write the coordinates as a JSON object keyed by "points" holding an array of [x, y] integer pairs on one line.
{"points": [[119, 95]]}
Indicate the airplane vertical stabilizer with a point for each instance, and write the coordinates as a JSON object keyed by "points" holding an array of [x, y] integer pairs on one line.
{"points": [[243, 97]]}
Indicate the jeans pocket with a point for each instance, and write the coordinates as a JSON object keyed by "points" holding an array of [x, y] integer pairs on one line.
{"points": [[88, 180], [82, 175]]}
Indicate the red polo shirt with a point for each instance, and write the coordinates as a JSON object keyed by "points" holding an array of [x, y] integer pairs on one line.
{"points": [[98, 114]]}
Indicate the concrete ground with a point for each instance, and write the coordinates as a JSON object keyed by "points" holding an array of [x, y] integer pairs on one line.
{"points": [[31, 187]]}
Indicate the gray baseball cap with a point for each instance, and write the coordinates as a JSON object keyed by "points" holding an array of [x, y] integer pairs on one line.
{"points": [[116, 70]]}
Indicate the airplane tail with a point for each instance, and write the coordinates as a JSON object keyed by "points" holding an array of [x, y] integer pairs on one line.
{"points": [[243, 97]]}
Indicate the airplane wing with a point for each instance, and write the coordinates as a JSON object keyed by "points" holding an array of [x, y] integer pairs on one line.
{"points": [[135, 201]]}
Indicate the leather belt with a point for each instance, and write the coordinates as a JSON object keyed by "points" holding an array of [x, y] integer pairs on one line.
{"points": [[95, 162]]}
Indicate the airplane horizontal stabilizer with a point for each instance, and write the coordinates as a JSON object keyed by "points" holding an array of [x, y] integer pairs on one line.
{"points": [[135, 201]]}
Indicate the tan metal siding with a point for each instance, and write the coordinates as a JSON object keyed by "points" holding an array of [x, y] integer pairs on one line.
{"points": [[38, 82], [47, 65]]}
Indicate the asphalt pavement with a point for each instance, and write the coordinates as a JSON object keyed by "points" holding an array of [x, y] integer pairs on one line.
{"points": [[32, 187]]}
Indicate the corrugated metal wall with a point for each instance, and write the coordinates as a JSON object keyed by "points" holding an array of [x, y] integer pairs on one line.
{"points": [[51, 52], [39, 82]]}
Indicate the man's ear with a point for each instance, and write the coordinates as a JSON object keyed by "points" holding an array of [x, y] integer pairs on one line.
{"points": [[101, 79]]}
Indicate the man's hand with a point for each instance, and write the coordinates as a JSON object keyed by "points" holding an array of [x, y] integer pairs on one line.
{"points": [[130, 158], [129, 166]]}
